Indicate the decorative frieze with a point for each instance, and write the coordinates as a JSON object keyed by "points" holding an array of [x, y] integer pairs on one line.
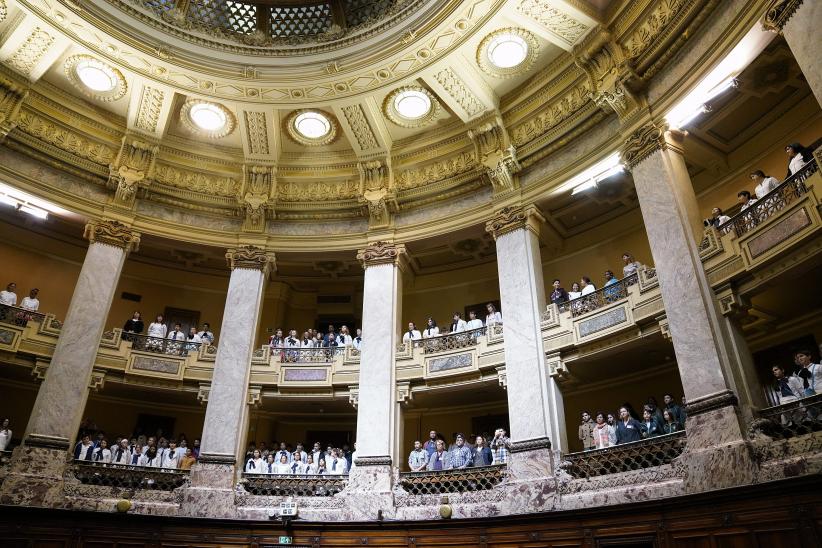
{"points": [[711, 402], [196, 181], [11, 100], [113, 233], [461, 93], [439, 170], [148, 110], [257, 132], [27, 55], [381, 252], [355, 116], [558, 22], [642, 143], [250, 257], [552, 114], [65, 139]]}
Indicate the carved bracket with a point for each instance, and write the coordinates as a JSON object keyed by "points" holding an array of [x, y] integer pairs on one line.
{"points": [[512, 218], [203, 393], [502, 377], [377, 191], [381, 253], [255, 395], [12, 97], [404, 394], [354, 395], [258, 196], [494, 150], [133, 167]]}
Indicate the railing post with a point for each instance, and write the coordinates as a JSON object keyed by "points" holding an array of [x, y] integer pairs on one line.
{"points": [[36, 472]]}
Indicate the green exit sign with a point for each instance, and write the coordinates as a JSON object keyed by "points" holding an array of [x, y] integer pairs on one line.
{"points": [[285, 540]]}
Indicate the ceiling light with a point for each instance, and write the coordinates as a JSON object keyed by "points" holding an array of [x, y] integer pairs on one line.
{"points": [[312, 125], [207, 116], [96, 76], [412, 104], [507, 50], [588, 178], [27, 203]]}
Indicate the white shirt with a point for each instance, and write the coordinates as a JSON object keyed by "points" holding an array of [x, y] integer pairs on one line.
{"points": [[311, 469], [195, 339], [280, 453], [125, 455], [357, 342], [493, 319], [459, 328], [156, 462], [254, 466], [5, 439], [630, 268], [430, 332], [30, 304], [473, 324], [751, 202], [101, 455], [588, 289], [303, 456], [283, 468], [297, 468], [206, 335], [176, 335], [8, 298], [306, 343], [411, 335], [574, 295], [292, 342], [157, 330], [344, 339], [767, 185], [722, 219], [269, 468], [796, 164], [170, 459], [339, 468]]}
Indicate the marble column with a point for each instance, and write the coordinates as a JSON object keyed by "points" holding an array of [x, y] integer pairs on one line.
{"points": [[36, 470], [378, 409], [535, 441], [717, 452], [226, 418], [798, 21]]}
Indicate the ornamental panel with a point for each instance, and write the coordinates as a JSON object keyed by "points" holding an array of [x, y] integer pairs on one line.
{"points": [[778, 233], [447, 365], [602, 322], [305, 375], [154, 366]]}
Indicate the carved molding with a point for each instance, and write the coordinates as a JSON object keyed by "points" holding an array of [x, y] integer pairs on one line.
{"points": [[148, 110], [381, 252], [355, 116], [642, 143], [556, 21], [509, 219], [260, 183], [530, 445], [778, 13], [250, 257], [64, 138], [257, 132], [133, 166], [354, 395], [203, 393], [255, 396], [373, 461], [113, 233], [494, 150], [27, 55], [711, 402], [12, 97], [502, 377], [461, 93], [404, 394]]}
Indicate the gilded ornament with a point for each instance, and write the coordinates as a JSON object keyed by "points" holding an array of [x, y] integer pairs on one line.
{"points": [[437, 171], [12, 97], [26, 57], [148, 111], [249, 257], [506, 220], [257, 132], [4, 10], [113, 233], [381, 253], [779, 13], [457, 89], [642, 143], [552, 115], [64, 139]]}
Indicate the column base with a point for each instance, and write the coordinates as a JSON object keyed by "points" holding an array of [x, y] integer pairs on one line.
{"points": [[211, 492], [717, 455], [530, 485], [369, 494], [35, 477]]}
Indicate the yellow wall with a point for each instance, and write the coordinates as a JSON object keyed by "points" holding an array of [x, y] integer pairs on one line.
{"points": [[118, 417], [17, 402]]}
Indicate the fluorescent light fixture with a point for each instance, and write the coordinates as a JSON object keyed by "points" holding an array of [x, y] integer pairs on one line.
{"points": [[29, 204], [589, 178], [34, 211], [721, 78]]}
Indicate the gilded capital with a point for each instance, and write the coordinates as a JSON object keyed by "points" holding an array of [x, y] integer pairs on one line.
{"points": [[642, 143], [381, 253], [778, 13], [112, 233], [249, 257], [513, 218]]}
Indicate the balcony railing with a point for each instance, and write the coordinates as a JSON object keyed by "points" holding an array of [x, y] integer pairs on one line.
{"points": [[599, 298], [160, 346], [789, 420], [776, 200], [279, 485], [128, 477], [452, 481], [623, 458], [19, 316], [452, 341], [307, 355]]}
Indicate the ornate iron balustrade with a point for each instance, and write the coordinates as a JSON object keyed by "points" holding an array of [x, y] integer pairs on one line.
{"points": [[19, 316], [280, 485], [452, 481], [451, 341], [789, 420], [623, 458], [307, 355], [128, 477], [601, 297], [160, 346], [776, 200]]}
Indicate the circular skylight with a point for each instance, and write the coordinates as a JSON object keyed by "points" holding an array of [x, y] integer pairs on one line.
{"points": [[208, 116], [96, 76], [507, 51], [312, 125], [412, 104]]}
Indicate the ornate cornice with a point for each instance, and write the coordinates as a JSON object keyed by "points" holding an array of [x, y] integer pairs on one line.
{"points": [[778, 13], [113, 233], [381, 253], [208, 458], [512, 218], [530, 445], [250, 257], [642, 143], [373, 461], [47, 442], [712, 402]]}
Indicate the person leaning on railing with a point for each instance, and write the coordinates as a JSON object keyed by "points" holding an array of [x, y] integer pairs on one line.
{"points": [[604, 434], [133, 325], [439, 459], [716, 219], [628, 429], [8, 296], [798, 157], [764, 183], [630, 265]]}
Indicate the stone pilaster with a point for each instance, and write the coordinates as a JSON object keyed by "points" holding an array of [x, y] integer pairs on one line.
{"points": [[717, 455], [226, 419], [798, 21], [378, 408], [36, 470], [529, 386]]}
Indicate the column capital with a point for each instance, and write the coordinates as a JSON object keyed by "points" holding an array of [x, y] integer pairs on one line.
{"points": [[250, 257], [381, 252], [511, 218], [113, 233], [778, 13], [642, 143]]}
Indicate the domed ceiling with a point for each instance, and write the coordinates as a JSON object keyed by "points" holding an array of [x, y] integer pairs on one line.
{"points": [[351, 114]]}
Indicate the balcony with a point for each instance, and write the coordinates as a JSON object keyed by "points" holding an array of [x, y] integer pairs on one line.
{"points": [[481, 478], [279, 485], [90, 483]]}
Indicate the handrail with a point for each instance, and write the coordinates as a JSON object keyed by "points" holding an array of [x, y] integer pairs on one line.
{"points": [[19, 316], [457, 480], [450, 341], [788, 420], [777, 199], [159, 345], [634, 455], [307, 355], [286, 485], [128, 476], [599, 298]]}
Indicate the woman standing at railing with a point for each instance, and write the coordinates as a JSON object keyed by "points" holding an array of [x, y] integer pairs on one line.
{"points": [[799, 156], [575, 292], [494, 316], [431, 329], [31, 303], [151, 459], [764, 183], [5, 435], [133, 325], [102, 453], [8, 296], [255, 463], [604, 433], [670, 425]]}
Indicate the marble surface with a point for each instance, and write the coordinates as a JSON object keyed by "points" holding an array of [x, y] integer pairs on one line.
{"points": [[377, 406], [802, 34], [211, 492], [522, 296], [62, 396], [35, 477], [227, 407]]}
